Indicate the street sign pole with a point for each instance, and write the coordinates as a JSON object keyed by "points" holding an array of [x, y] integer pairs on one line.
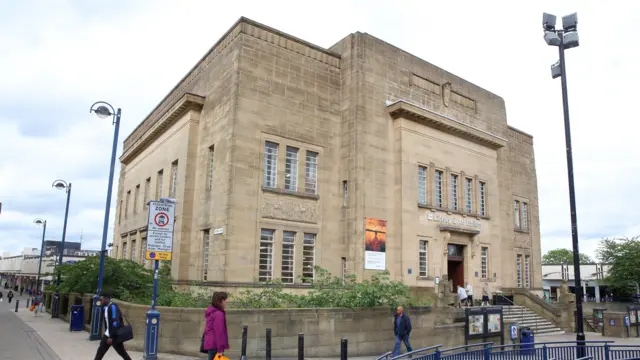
{"points": [[159, 247]]}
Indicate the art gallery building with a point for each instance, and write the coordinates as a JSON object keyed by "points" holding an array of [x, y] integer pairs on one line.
{"points": [[283, 155]]}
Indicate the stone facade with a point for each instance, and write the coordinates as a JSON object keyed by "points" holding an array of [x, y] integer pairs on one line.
{"points": [[270, 137]]}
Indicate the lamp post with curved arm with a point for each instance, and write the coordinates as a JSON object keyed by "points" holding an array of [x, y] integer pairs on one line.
{"points": [[103, 110], [61, 185], [42, 222]]}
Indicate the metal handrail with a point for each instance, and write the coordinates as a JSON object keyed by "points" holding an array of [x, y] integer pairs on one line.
{"points": [[466, 347], [414, 352], [385, 356], [522, 312]]}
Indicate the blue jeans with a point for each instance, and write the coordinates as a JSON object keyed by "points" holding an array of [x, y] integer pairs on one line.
{"points": [[399, 341], [211, 354]]}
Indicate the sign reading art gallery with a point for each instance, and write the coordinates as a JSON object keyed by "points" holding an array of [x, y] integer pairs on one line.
{"points": [[375, 244]]}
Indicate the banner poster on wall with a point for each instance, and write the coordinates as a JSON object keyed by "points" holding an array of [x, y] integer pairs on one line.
{"points": [[375, 244]]}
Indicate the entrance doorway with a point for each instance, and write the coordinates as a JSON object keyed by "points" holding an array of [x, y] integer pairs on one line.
{"points": [[455, 264]]}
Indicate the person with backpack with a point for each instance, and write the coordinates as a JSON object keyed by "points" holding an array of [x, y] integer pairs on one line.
{"points": [[113, 322]]}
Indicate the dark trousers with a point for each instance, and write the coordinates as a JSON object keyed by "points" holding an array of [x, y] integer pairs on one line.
{"points": [[104, 347], [10, 299]]}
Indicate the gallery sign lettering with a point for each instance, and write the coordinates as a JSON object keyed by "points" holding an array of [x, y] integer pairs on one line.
{"points": [[454, 221]]}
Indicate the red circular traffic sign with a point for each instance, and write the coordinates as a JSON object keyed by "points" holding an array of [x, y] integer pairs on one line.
{"points": [[161, 219]]}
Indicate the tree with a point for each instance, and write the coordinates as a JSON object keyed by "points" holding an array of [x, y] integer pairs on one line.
{"points": [[563, 257], [623, 256], [124, 279]]}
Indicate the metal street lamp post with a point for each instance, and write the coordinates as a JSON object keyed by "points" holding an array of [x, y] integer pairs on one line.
{"points": [[61, 185], [567, 38], [104, 110], [39, 221]]}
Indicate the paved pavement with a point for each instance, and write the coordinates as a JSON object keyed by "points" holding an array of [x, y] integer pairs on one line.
{"points": [[18, 340], [42, 330]]}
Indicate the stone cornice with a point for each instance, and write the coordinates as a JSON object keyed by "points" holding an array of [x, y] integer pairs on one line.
{"points": [[242, 26], [406, 109], [180, 107]]}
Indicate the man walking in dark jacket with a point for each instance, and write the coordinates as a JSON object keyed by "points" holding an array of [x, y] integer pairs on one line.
{"points": [[402, 330], [113, 321]]}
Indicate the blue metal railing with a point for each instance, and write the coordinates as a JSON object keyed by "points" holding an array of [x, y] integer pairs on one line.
{"points": [[428, 353], [557, 350]]}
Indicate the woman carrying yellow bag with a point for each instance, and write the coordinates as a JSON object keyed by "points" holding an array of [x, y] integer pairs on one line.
{"points": [[215, 339]]}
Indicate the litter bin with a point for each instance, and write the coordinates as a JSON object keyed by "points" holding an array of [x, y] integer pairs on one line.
{"points": [[76, 319], [526, 342]]}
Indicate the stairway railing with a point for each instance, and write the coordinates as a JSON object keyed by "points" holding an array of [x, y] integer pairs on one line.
{"points": [[521, 312]]}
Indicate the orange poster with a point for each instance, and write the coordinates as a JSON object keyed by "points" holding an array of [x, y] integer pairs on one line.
{"points": [[375, 244]]}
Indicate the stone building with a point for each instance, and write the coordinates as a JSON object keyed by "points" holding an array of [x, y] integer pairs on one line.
{"points": [[361, 157]]}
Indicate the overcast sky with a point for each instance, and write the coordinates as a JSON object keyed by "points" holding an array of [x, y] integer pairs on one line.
{"points": [[58, 57]]}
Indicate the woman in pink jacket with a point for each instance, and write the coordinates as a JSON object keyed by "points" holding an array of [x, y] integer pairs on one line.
{"points": [[216, 340]]}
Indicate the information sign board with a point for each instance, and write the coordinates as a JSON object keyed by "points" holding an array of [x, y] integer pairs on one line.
{"points": [[160, 230]]}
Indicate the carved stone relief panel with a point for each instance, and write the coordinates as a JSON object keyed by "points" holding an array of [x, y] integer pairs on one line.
{"points": [[283, 207]]}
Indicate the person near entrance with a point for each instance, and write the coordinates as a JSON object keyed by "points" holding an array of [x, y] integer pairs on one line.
{"points": [[402, 330], [10, 295], [113, 320], [469, 290], [485, 295], [462, 295]]}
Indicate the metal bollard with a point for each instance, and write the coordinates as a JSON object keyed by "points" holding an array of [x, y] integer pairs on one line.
{"points": [[28, 300], [343, 349], [243, 350], [268, 349], [301, 346], [17, 303]]}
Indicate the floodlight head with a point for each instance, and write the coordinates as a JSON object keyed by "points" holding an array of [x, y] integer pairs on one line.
{"points": [[556, 71], [570, 22], [548, 22], [552, 39], [571, 40]]}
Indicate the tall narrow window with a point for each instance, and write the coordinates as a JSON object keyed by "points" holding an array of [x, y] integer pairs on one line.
{"points": [[288, 256], [205, 254], [345, 193], [344, 269], [159, 185], [422, 254], [120, 213], [134, 254], [265, 270], [143, 250], [516, 214], [454, 192], [468, 193], [484, 258], [311, 173], [308, 257], [124, 250], [483, 199], [270, 164], [527, 278], [147, 190], [210, 172], [525, 220], [291, 169], [174, 179], [126, 204], [519, 270], [136, 195], [439, 188], [422, 185]]}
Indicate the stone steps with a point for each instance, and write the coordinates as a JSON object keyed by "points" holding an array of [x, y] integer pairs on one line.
{"points": [[527, 318]]}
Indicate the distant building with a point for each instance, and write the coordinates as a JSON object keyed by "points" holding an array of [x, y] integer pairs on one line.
{"points": [[592, 275]]}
